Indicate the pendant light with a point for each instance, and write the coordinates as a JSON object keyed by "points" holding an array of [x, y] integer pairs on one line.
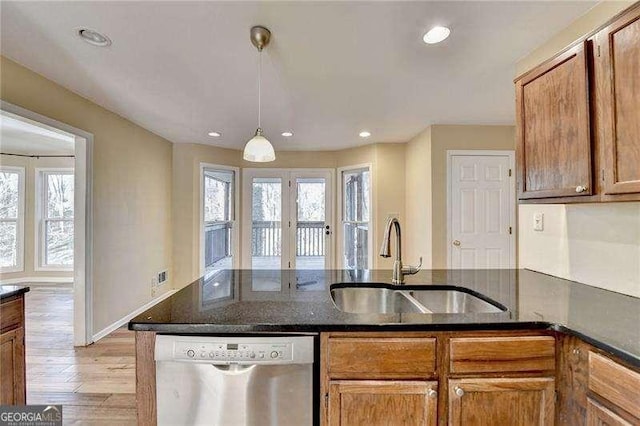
{"points": [[259, 149]]}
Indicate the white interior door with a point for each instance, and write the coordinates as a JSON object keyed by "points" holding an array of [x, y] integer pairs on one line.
{"points": [[287, 219], [481, 210]]}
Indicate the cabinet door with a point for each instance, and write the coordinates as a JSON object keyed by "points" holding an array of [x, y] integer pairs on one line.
{"points": [[597, 415], [553, 129], [381, 403], [484, 401], [12, 371], [617, 62]]}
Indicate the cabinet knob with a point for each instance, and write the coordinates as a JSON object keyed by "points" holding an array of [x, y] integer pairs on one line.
{"points": [[456, 243], [458, 390], [432, 394], [580, 189]]}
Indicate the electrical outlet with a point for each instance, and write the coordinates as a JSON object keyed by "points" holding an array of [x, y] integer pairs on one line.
{"points": [[162, 277], [538, 221]]}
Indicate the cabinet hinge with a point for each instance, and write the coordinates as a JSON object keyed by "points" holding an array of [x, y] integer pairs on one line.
{"points": [[326, 401], [510, 230], [509, 172], [602, 175], [289, 184], [598, 51], [289, 264]]}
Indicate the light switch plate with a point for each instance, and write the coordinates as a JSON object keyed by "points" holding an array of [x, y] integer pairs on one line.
{"points": [[538, 221]]}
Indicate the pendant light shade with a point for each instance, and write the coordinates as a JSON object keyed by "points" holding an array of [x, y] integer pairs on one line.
{"points": [[259, 149]]}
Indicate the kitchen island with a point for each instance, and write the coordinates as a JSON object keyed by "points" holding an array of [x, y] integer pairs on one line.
{"points": [[554, 329]]}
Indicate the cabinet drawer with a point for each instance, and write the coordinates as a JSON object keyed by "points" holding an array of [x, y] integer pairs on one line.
{"points": [[11, 314], [381, 357], [502, 354], [615, 383]]}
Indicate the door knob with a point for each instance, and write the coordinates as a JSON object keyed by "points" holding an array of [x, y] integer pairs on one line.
{"points": [[581, 189], [456, 243], [432, 393], [458, 391]]}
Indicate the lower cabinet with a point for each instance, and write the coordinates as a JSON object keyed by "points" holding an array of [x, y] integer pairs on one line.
{"points": [[502, 401], [388, 402], [597, 415], [12, 367]]}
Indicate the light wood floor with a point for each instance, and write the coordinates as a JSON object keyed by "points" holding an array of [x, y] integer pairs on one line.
{"points": [[96, 384]]}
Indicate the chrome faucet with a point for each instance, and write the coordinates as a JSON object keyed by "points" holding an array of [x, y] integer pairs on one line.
{"points": [[399, 271]]}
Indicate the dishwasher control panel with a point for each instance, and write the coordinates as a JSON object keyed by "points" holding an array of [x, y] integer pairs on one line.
{"points": [[254, 353], [223, 350]]}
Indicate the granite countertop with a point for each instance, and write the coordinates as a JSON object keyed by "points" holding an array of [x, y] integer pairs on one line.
{"points": [[245, 301], [7, 291]]}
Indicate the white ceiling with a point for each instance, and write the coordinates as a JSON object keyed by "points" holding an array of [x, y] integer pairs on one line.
{"points": [[22, 136], [182, 69]]}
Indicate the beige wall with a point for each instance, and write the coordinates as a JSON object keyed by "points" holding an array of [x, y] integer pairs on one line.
{"points": [[450, 137], [388, 197], [596, 244], [387, 161], [186, 204], [30, 165], [595, 17], [418, 205], [131, 192]]}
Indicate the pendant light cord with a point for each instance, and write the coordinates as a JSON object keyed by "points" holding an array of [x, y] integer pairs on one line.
{"points": [[259, 85]]}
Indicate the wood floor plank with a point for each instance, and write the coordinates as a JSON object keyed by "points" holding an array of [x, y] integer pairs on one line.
{"points": [[95, 385]]}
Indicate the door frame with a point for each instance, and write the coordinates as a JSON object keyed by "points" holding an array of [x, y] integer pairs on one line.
{"points": [[288, 209], [512, 195], [82, 223], [236, 215]]}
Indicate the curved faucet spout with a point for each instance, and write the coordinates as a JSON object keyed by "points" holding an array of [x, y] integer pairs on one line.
{"points": [[385, 251]]}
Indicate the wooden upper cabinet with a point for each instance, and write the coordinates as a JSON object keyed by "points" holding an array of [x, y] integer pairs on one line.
{"points": [[617, 69], [397, 403], [553, 128]]}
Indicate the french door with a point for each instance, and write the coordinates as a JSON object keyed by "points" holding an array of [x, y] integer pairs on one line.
{"points": [[287, 219]]}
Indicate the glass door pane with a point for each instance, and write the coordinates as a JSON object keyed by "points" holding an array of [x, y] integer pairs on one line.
{"points": [[310, 238], [355, 218], [218, 197], [266, 223]]}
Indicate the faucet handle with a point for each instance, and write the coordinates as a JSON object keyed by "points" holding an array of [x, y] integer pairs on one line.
{"points": [[410, 270]]}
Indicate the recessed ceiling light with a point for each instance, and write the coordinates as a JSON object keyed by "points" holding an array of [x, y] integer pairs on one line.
{"points": [[94, 37], [365, 134], [436, 35], [215, 134], [287, 134]]}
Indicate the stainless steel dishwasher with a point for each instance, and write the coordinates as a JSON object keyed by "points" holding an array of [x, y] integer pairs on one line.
{"points": [[234, 381]]}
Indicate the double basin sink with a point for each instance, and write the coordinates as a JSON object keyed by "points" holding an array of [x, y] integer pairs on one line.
{"points": [[374, 298]]}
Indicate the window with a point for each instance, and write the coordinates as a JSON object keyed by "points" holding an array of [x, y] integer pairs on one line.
{"points": [[355, 218], [11, 219], [219, 215], [55, 192]]}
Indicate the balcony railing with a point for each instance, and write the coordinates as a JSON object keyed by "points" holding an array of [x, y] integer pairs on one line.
{"points": [[217, 242], [266, 240]]}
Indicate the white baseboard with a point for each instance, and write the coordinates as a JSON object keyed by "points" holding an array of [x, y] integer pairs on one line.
{"points": [[122, 321], [37, 280]]}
